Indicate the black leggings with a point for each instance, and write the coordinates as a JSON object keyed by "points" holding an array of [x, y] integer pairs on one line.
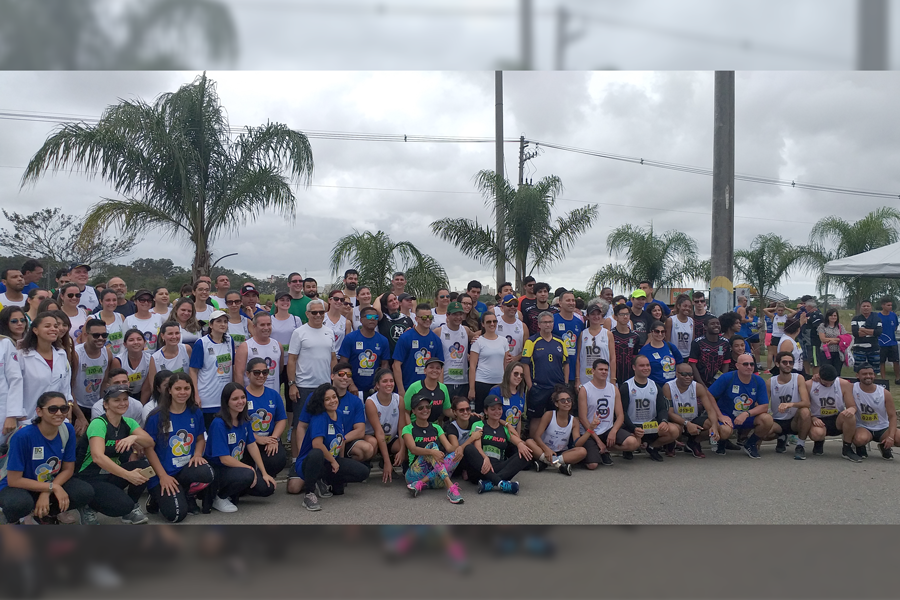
{"points": [[481, 392], [232, 482], [274, 464], [114, 496], [315, 467], [18, 503], [504, 470], [175, 508]]}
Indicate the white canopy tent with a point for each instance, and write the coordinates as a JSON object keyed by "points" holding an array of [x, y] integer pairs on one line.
{"points": [[880, 262]]}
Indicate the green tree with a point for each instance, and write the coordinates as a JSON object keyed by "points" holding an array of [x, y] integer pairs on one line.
{"points": [[178, 168], [832, 238], [377, 257], [767, 262], [534, 240], [666, 260], [140, 34]]}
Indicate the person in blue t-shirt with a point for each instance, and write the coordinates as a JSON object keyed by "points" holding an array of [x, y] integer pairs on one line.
{"points": [[177, 427], [887, 341], [663, 355], [366, 350], [414, 347], [568, 327], [648, 292], [511, 391], [742, 403], [321, 461], [230, 437], [473, 290], [268, 419], [40, 467]]}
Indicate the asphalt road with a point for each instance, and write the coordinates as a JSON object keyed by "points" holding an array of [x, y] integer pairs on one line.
{"points": [[733, 489]]}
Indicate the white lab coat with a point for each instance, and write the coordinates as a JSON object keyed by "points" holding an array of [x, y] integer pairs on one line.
{"points": [[37, 378]]}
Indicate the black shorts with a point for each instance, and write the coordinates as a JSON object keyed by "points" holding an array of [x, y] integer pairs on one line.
{"points": [[774, 342], [537, 402], [649, 438], [785, 425], [348, 446], [877, 434], [831, 427], [593, 451], [699, 421], [890, 354], [753, 339]]}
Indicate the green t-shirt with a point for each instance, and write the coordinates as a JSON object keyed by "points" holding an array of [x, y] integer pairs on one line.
{"points": [[440, 398], [101, 428], [422, 436]]}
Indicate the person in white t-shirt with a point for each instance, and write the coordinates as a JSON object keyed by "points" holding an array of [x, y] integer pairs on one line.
{"points": [[487, 361], [146, 321], [15, 283], [223, 286]]}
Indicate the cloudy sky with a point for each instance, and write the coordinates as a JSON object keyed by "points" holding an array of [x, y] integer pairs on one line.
{"points": [[827, 128]]}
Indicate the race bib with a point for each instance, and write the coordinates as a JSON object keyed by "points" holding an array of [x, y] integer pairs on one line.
{"points": [[455, 372], [827, 412], [870, 417], [685, 410], [650, 426], [135, 377], [98, 370]]}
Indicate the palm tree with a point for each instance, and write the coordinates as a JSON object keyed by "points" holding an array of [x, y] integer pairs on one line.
{"points": [[377, 257], [665, 260], [832, 238], [767, 262], [141, 34], [178, 169], [534, 241]]}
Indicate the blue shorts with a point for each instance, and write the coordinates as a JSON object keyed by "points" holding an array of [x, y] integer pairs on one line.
{"points": [[747, 424]]}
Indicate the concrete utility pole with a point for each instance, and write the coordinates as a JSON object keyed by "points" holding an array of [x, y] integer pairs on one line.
{"points": [[721, 284], [872, 35], [525, 34], [524, 157], [564, 38], [499, 170]]}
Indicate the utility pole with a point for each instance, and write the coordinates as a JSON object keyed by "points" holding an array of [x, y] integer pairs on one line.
{"points": [[523, 158], [563, 38], [499, 171], [722, 268], [871, 35], [525, 34]]}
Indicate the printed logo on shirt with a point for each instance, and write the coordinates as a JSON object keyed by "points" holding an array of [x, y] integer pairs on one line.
{"points": [[422, 357], [743, 403], [513, 414], [457, 350], [224, 364], [238, 452], [335, 446], [47, 471], [260, 420], [367, 359], [92, 385], [181, 443]]}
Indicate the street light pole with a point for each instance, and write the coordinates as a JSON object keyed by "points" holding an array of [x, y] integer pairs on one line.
{"points": [[722, 260]]}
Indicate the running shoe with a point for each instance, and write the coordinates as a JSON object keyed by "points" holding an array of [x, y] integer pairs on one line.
{"points": [[606, 459], [151, 507], [69, 517], [88, 516], [720, 448], [850, 455], [539, 465], [818, 448], [729, 445], [670, 450], [693, 447], [566, 469], [484, 486], [135, 517], [509, 487], [654, 454], [792, 440], [862, 452], [415, 487], [453, 494], [310, 502], [323, 490], [751, 451], [799, 453], [223, 505], [627, 455], [886, 453], [781, 444]]}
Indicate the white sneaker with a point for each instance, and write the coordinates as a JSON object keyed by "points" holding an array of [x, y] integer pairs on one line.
{"points": [[223, 505]]}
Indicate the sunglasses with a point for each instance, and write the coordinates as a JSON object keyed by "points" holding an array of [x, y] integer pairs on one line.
{"points": [[659, 331], [491, 322], [564, 400], [423, 406], [17, 321], [56, 408], [466, 409], [747, 364], [426, 317], [685, 373], [699, 301], [337, 299], [259, 372], [371, 317], [99, 336], [296, 281], [232, 302], [317, 313], [344, 374], [443, 297], [78, 295], [141, 299]]}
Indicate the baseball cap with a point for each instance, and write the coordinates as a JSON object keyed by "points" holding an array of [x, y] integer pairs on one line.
{"points": [[418, 399], [140, 293], [491, 400], [433, 360], [115, 390], [75, 265], [405, 296], [509, 299], [592, 307], [216, 314], [455, 307], [281, 295], [249, 288], [638, 294]]}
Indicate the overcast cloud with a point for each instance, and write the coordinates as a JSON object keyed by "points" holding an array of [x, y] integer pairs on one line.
{"points": [[827, 128]]}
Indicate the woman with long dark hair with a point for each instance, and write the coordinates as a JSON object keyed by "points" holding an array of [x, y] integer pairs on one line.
{"points": [[184, 314], [268, 419], [829, 333], [170, 355], [70, 296], [66, 342], [33, 304], [136, 363], [13, 323], [12, 329], [393, 323], [212, 361], [159, 387], [41, 463], [230, 437], [177, 429], [115, 322]]}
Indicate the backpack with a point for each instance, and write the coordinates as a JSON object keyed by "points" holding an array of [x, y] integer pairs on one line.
{"points": [[4, 457]]}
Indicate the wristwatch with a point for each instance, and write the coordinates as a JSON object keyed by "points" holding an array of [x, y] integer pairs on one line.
{"points": [[294, 383]]}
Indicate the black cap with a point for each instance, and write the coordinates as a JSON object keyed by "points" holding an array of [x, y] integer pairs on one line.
{"points": [[433, 360], [491, 400], [418, 399], [281, 295], [405, 296]]}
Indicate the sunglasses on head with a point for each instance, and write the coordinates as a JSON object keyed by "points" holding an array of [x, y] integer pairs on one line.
{"points": [[56, 408]]}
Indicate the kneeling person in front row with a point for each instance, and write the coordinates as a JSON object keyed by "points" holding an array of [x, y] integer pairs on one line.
{"points": [[690, 407], [833, 411], [789, 402], [498, 454], [646, 410], [600, 412], [554, 436], [874, 421], [742, 402]]}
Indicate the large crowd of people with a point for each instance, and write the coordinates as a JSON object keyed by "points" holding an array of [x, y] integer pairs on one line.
{"points": [[123, 404]]}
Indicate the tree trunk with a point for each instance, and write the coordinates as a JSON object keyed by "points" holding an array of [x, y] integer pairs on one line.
{"points": [[201, 263]]}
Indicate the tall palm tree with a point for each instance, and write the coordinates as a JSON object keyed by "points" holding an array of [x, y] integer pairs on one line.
{"points": [[665, 260], [768, 261], [377, 257], [140, 34], [832, 238], [178, 169], [533, 241]]}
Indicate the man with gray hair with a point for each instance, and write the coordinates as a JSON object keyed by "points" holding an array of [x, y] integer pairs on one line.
{"points": [[546, 365]]}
